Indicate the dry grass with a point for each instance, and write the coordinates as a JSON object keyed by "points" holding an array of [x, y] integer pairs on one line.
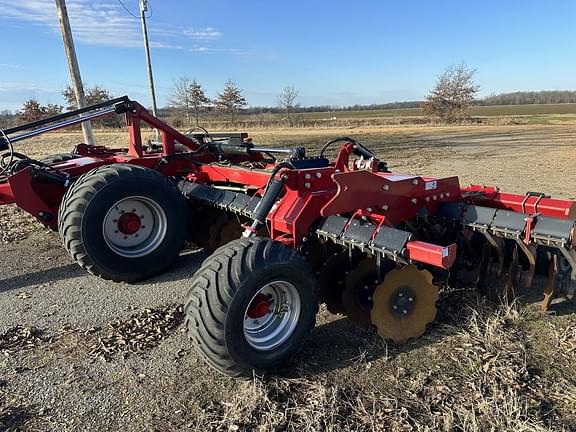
{"points": [[477, 378]]}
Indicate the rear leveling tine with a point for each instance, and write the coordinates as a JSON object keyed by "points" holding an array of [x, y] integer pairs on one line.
{"points": [[531, 259], [499, 252], [512, 274], [480, 283], [550, 287], [569, 255]]}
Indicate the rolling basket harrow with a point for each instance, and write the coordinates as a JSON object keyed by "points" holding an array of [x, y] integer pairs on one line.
{"points": [[286, 231]]}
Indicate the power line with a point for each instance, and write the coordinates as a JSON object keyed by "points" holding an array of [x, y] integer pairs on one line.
{"points": [[131, 13]]}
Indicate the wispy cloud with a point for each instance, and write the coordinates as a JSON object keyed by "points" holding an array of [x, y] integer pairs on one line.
{"points": [[95, 23], [9, 66], [214, 50], [106, 23], [208, 33], [11, 87]]}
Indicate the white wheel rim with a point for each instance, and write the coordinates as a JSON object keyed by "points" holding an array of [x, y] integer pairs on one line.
{"points": [[134, 226], [267, 331]]}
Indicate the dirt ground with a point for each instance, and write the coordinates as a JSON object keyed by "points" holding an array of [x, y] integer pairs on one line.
{"points": [[79, 353]]}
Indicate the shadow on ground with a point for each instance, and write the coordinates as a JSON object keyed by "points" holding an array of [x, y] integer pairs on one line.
{"points": [[41, 277], [184, 268]]}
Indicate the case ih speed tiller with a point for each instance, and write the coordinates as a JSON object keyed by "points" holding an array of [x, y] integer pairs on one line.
{"points": [[286, 229]]}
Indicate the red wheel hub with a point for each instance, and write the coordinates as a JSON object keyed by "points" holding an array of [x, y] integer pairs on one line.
{"points": [[259, 307], [129, 223]]}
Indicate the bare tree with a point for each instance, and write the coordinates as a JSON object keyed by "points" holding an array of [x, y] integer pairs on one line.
{"points": [[198, 99], [7, 119], [454, 92], [180, 96], [230, 100], [189, 96], [287, 101]]}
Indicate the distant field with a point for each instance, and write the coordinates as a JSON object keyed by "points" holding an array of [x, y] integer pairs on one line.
{"points": [[481, 111], [542, 114]]}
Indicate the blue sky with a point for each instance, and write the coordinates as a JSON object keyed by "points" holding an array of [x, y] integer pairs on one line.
{"points": [[334, 52]]}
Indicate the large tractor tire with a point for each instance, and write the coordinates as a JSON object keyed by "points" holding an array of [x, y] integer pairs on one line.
{"points": [[250, 306], [123, 222]]}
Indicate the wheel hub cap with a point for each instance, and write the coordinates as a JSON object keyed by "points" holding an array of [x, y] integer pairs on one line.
{"points": [[135, 226], [272, 315], [259, 307], [129, 223]]}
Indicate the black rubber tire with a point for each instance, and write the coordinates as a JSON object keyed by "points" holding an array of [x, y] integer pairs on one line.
{"points": [[86, 203], [220, 294], [61, 157]]}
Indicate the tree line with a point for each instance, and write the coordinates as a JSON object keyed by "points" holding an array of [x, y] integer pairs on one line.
{"points": [[454, 92], [531, 97], [33, 110], [189, 96]]}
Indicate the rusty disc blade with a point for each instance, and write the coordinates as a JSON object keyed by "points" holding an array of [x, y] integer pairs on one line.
{"points": [[224, 229], [404, 304], [358, 290], [331, 281]]}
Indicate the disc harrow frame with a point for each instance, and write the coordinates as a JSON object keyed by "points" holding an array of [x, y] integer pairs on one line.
{"points": [[350, 205]]}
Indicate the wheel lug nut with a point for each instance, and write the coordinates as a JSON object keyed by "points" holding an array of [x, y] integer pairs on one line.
{"points": [[395, 307], [405, 312], [400, 294], [410, 299]]}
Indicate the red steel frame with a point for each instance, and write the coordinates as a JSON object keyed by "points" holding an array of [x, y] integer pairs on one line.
{"points": [[310, 194]]}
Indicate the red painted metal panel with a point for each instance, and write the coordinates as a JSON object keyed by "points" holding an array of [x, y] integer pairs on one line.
{"points": [[490, 196], [6, 195], [245, 176], [43, 206], [398, 196], [435, 255]]}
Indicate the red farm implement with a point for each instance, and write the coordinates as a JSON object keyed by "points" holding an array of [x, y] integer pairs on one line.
{"points": [[287, 230]]}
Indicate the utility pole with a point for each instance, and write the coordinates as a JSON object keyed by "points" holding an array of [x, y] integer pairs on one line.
{"points": [[73, 66], [143, 9]]}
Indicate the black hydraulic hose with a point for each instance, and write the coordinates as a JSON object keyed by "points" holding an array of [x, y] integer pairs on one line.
{"points": [[275, 171], [272, 193], [339, 139], [359, 149], [6, 144], [50, 177]]}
